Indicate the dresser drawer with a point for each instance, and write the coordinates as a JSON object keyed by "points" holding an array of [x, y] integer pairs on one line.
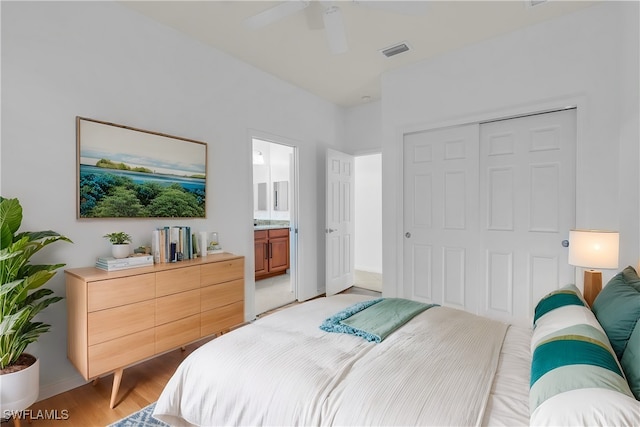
{"points": [[177, 306], [105, 325], [221, 294], [221, 319], [122, 291], [177, 280], [178, 333], [223, 271], [114, 354]]}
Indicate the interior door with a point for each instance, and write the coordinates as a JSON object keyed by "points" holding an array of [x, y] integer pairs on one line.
{"points": [[527, 207], [441, 216], [340, 225]]}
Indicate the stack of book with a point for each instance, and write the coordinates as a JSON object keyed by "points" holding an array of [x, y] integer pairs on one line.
{"points": [[171, 244], [114, 264]]}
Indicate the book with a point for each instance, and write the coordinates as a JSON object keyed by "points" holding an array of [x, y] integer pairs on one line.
{"points": [[120, 267], [112, 264], [131, 260]]}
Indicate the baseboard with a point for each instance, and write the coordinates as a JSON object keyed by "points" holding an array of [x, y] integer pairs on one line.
{"points": [[368, 269], [46, 391]]}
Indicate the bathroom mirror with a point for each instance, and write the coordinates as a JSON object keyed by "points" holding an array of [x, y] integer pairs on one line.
{"points": [[281, 196], [261, 198]]}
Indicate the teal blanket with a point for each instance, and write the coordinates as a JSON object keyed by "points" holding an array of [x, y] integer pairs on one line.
{"points": [[374, 320]]}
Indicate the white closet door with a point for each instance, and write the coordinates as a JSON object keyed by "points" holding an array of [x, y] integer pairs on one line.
{"points": [[441, 245], [486, 208], [527, 206]]}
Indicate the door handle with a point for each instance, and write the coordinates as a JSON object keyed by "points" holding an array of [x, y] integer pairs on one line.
{"points": [[331, 230], [266, 251], [407, 235], [270, 250]]}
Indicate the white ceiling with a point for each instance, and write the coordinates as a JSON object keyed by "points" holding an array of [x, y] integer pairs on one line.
{"points": [[297, 54]]}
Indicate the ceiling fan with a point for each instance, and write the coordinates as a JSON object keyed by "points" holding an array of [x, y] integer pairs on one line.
{"points": [[325, 14], [320, 14]]}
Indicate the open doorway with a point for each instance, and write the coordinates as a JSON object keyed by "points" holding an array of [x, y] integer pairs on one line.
{"points": [[368, 222], [274, 218]]}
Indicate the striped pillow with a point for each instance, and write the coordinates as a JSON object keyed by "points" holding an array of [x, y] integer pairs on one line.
{"points": [[570, 351]]}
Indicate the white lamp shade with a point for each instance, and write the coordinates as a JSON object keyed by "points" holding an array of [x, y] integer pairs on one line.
{"points": [[593, 249]]}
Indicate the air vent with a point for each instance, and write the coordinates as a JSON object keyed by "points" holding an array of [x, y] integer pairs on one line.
{"points": [[395, 49]]}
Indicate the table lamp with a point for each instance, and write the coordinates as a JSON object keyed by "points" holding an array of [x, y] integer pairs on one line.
{"points": [[593, 249]]}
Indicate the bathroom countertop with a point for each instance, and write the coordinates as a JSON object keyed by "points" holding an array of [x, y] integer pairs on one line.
{"points": [[269, 227]]}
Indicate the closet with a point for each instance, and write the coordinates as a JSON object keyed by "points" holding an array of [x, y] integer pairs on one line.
{"points": [[486, 208]]}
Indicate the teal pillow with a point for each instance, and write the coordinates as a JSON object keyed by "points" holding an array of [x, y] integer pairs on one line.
{"points": [[571, 352], [617, 308], [631, 361], [567, 295], [631, 277]]}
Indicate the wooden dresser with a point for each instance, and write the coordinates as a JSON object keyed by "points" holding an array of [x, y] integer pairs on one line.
{"points": [[118, 318]]}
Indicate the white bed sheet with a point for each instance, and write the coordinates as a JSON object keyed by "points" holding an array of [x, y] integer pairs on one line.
{"points": [[311, 389]]}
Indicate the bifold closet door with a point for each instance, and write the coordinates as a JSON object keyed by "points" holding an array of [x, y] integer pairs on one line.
{"points": [[527, 207]]}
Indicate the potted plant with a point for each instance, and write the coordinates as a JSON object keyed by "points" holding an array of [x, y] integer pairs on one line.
{"points": [[120, 243], [21, 299]]}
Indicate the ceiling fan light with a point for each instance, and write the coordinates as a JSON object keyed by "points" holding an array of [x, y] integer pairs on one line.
{"points": [[334, 28], [274, 14]]}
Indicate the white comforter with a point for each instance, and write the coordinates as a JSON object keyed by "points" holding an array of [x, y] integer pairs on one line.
{"points": [[438, 369]]}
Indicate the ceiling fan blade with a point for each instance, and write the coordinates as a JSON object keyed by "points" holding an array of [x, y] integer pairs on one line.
{"points": [[402, 7], [314, 14], [334, 28], [275, 13]]}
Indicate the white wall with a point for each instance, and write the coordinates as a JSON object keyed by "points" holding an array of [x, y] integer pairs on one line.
{"points": [[103, 61], [368, 213], [589, 57], [364, 128]]}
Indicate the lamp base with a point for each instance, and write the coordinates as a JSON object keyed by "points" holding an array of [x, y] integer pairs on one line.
{"points": [[592, 285]]}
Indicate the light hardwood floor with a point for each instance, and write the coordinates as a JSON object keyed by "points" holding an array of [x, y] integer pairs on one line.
{"points": [[88, 405]]}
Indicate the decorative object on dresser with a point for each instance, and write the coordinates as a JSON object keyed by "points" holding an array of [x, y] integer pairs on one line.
{"points": [[21, 299], [593, 249], [133, 261], [119, 318], [119, 243], [271, 252]]}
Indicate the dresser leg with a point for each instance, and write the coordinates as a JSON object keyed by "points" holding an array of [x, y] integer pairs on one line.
{"points": [[117, 377]]}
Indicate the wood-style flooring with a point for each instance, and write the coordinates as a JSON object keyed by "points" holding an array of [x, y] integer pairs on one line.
{"points": [[88, 405]]}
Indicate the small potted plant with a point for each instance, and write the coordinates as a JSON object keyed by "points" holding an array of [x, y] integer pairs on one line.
{"points": [[119, 243]]}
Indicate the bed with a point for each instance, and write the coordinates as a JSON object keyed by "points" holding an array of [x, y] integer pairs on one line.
{"points": [[442, 367]]}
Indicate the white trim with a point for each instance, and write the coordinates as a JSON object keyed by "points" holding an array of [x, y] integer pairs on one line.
{"points": [[294, 273]]}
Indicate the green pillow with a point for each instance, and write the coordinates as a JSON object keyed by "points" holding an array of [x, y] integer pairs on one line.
{"points": [[631, 361], [617, 308], [631, 277]]}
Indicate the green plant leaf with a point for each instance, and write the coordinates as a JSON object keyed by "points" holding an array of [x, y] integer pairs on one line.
{"points": [[21, 294]]}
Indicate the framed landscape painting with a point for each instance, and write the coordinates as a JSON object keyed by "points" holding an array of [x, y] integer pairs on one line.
{"points": [[125, 172]]}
